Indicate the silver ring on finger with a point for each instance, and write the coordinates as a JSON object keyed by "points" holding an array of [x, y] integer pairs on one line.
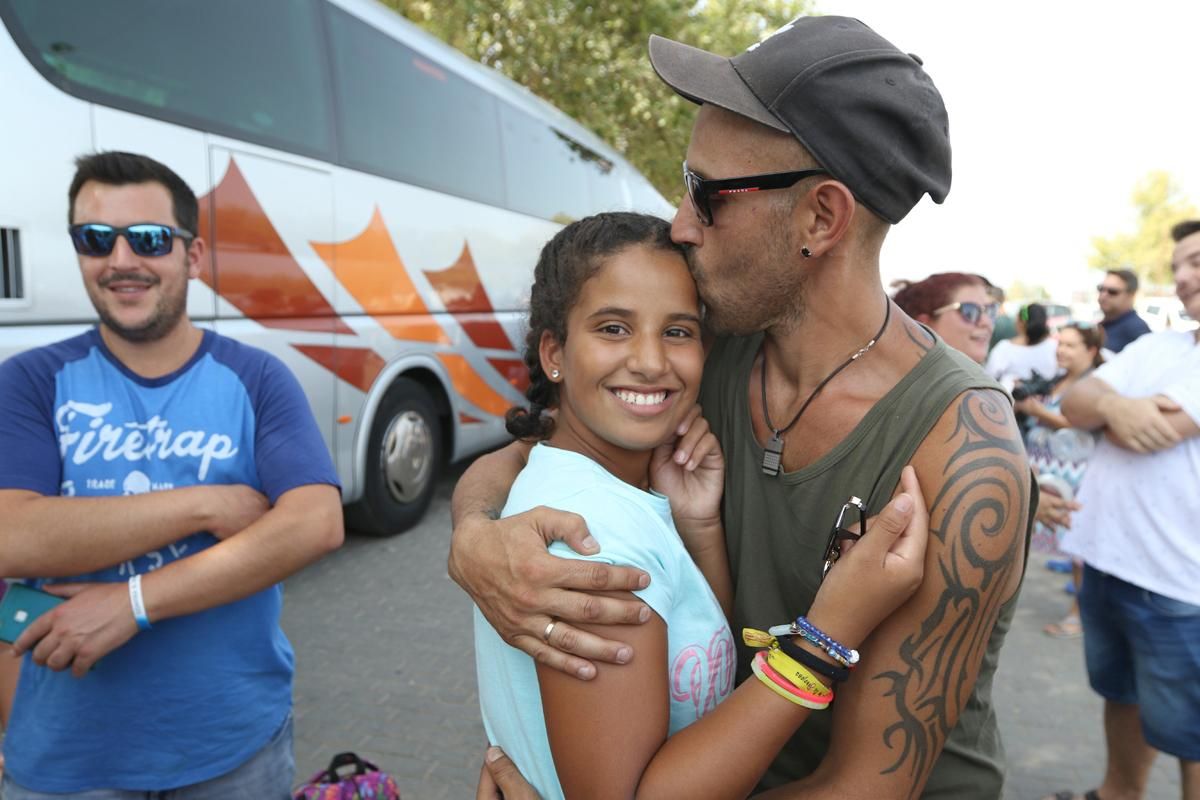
{"points": [[549, 630]]}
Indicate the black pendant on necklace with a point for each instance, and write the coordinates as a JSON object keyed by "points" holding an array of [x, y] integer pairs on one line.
{"points": [[773, 454]]}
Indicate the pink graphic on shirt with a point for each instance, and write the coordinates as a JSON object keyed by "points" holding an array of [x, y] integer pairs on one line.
{"points": [[704, 676]]}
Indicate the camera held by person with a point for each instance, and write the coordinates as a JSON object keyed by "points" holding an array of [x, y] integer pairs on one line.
{"points": [[1034, 386]]}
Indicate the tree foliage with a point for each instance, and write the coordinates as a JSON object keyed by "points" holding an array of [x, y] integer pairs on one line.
{"points": [[588, 57], [1159, 204]]}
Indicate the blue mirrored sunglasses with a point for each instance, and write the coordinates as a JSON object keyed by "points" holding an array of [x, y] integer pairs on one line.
{"points": [[147, 239]]}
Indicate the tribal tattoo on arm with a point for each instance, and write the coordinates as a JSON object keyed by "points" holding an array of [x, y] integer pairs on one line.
{"points": [[919, 335], [978, 518]]}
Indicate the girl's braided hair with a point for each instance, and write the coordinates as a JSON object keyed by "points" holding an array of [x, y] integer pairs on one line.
{"points": [[575, 254]]}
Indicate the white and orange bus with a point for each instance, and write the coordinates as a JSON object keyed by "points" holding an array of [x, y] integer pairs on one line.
{"points": [[374, 203]]}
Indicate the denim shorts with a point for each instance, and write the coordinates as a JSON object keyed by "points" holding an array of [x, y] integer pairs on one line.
{"points": [[1144, 649], [268, 775]]}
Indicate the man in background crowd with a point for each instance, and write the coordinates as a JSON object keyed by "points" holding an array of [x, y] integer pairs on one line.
{"points": [[1121, 323], [1136, 533]]}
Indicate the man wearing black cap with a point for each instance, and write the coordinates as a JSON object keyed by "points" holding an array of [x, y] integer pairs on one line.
{"points": [[806, 148]]}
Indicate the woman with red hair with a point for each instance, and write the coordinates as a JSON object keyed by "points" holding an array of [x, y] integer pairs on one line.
{"points": [[954, 305]]}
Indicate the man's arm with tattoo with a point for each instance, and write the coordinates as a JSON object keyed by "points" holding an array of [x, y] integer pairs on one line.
{"points": [[919, 667]]}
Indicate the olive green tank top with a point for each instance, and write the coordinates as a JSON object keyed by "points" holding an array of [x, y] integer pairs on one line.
{"points": [[776, 530]]}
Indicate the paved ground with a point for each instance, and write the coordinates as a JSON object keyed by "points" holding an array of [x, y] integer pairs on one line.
{"points": [[385, 668]]}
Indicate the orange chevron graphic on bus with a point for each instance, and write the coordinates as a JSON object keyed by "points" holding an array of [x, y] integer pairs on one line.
{"points": [[473, 387], [373, 272], [252, 268], [513, 370], [462, 292], [357, 366]]}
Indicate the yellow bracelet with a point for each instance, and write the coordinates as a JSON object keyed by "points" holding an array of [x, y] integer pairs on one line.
{"points": [[784, 693], [799, 675], [756, 638]]}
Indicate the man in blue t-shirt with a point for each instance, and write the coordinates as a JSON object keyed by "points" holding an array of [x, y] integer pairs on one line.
{"points": [[164, 480], [1121, 323]]}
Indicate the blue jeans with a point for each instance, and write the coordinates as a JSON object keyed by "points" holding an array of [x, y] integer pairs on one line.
{"points": [[1143, 649], [268, 775]]}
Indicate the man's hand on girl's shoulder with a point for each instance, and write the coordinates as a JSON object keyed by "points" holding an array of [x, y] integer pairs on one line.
{"points": [[533, 599]]}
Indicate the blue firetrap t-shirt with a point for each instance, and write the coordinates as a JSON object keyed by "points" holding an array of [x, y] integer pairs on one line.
{"points": [[198, 695], [633, 528]]}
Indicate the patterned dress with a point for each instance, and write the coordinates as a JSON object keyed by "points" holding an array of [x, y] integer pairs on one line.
{"points": [[1058, 459]]}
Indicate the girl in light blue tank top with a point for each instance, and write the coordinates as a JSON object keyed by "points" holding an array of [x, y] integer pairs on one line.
{"points": [[615, 357]]}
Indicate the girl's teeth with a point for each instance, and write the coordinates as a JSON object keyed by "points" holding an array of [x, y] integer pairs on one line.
{"points": [[638, 399]]}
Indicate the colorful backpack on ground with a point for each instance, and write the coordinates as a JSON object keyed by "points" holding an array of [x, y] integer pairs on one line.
{"points": [[366, 782]]}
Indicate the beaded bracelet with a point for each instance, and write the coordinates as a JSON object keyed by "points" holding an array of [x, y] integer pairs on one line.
{"points": [[802, 627]]}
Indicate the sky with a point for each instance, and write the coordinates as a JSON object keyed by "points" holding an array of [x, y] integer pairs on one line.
{"points": [[1057, 109]]}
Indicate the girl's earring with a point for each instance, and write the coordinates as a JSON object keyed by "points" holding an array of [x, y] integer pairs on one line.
{"points": [[554, 374]]}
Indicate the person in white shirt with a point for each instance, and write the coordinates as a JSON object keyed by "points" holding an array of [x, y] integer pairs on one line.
{"points": [[1033, 349], [1136, 533]]}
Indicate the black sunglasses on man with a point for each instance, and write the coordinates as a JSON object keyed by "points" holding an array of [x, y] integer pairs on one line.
{"points": [[701, 191]]}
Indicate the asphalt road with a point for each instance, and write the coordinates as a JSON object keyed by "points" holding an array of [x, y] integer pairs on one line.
{"points": [[385, 667]]}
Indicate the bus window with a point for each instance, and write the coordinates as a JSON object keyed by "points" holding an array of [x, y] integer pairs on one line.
{"points": [[550, 175], [406, 117], [206, 65]]}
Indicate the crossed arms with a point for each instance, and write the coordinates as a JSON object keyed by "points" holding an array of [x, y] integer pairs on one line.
{"points": [[61, 536], [1140, 424]]}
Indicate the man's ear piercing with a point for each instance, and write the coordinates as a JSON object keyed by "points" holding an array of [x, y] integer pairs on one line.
{"points": [[804, 251]]}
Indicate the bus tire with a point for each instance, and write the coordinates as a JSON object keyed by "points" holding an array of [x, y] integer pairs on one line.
{"points": [[403, 462]]}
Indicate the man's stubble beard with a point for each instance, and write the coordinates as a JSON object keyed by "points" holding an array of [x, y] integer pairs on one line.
{"points": [[773, 295], [168, 311]]}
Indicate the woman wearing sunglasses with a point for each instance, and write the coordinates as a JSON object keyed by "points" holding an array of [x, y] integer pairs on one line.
{"points": [[954, 305]]}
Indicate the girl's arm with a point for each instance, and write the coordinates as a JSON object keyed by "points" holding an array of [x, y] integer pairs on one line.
{"points": [[609, 736]]}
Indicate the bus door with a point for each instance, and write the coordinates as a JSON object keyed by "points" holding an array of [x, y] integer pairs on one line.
{"points": [[266, 219]]}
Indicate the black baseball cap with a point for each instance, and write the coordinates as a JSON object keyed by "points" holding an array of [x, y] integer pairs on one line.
{"points": [[866, 111]]}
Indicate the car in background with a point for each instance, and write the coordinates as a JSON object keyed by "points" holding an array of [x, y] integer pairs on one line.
{"points": [[1057, 315], [1165, 313]]}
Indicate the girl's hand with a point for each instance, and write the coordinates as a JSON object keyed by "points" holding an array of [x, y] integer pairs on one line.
{"points": [[694, 486], [878, 573]]}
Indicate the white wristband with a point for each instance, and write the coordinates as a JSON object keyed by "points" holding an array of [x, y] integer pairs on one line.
{"points": [[139, 605]]}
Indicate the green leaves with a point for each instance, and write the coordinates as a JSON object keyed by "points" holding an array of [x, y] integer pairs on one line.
{"points": [[589, 59], [1147, 251]]}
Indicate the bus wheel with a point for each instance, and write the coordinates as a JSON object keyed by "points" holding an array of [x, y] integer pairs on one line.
{"points": [[403, 460]]}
